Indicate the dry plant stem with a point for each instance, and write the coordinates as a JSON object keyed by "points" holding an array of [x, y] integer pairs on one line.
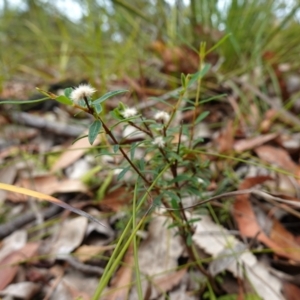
{"points": [[173, 168], [82, 108], [164, 129], [85, 268], [178, 146], [55, 283], [146, 125], [41, 123], [9, 227], [266, 196], [107, 130], [148, 132], [91, 111], [186, 230], [184, 233], [175, 108], [287, 116]]}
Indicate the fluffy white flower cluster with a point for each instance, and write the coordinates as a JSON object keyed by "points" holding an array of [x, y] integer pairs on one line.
{"points": [[159, 141], [162, 116], [82, 91], [129, 112]]}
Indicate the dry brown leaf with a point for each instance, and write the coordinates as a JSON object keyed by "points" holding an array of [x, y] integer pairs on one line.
{"points": [[176, 59], [158, 254], [76, 293], [14, 150], [70, 286], [232, 254], [291, 291], [8, 270], [276, 156], [226, 138], [15, 241], [248, 144], [21, 290], [20, 133], [8, 265], [168, 282], [86, 252], [74, 152], [284, 238], [241, 295], [70, 236], [243, 212], [121, 282], [249, 225], [47, 184], [270, 116], [116, 199], [7, 175], [279, 157]]}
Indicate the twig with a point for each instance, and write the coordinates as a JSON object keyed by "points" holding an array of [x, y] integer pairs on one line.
{"points": [[108, 132], [85, 268], [41, 123], [9, 227], [263, 194]]}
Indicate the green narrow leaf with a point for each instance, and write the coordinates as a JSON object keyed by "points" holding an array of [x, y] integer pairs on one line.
{"points": [[23, 101], [79, 138], [200, 74], [109, 95], [122, 173], [133, 9], [132, 150], [197, 141], [116, 148], [94, 131], [212, 98], [202, 116], [141, 164], [64, 100], [189, 239], [221, 41], [48, 94], [183, 80], [116, 114]]}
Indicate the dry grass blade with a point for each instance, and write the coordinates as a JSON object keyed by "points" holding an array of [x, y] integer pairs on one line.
{"points": [[48, 198]]}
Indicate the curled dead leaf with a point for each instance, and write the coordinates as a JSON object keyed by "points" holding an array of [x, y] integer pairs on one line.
{"points": [[278, 239]]}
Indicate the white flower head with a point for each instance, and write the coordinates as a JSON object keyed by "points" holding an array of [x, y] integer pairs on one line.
{"points": [[129, 112], [82, 91], [159, 141], [200, 181], [162, 116]]}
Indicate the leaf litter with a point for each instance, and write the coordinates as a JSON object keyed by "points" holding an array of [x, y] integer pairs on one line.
{"points": [[72, 249]]}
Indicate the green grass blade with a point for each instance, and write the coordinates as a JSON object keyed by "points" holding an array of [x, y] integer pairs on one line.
{"points": [[135, 248], [122, 247]]}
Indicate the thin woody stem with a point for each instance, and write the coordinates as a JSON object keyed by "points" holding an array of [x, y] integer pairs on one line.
{"points": [[107, 130], [173, 168], [189, 248], [90, 109], [141, 129]]}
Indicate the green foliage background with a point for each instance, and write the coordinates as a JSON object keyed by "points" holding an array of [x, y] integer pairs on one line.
{"points": [[111, 37]]}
